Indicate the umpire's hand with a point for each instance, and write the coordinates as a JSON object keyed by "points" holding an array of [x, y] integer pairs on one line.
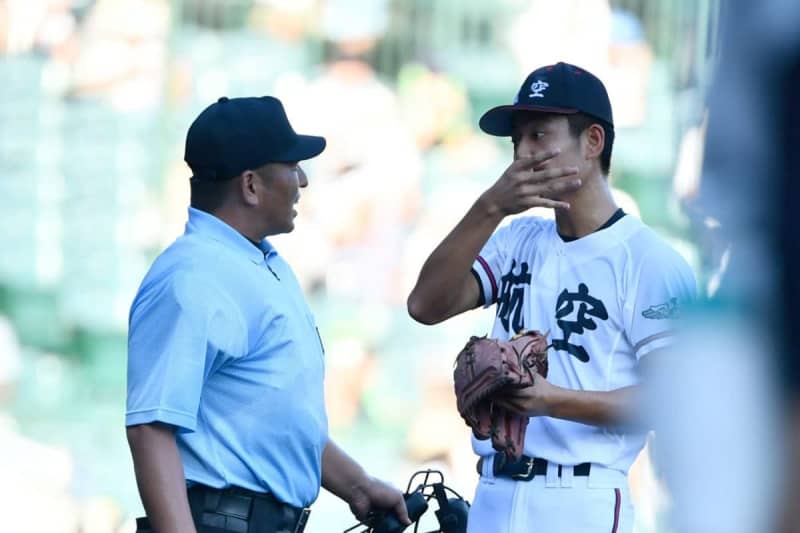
{"points": [[376, 495]]}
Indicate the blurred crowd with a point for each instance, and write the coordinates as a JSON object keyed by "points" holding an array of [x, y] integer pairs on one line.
{"points": [[95, 101]]}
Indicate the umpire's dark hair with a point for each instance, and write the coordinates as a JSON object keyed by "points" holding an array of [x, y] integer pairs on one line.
{"points": [[578, 122], [209, 195]]}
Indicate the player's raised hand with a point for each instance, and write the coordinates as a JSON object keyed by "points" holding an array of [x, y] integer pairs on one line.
{"points": [[527, 183]]}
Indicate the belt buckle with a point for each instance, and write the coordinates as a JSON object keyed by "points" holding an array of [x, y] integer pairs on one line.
{"points": [[302, 520], [528, 471]]}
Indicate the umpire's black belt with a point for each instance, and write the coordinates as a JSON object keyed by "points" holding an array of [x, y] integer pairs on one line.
{"points": [[238, 510], [526, 468]]}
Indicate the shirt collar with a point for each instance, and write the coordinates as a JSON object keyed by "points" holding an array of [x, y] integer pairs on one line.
{"points": [[203, 223]]}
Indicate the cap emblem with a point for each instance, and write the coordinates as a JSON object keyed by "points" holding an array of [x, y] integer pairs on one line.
{"points": [[537, 87]]}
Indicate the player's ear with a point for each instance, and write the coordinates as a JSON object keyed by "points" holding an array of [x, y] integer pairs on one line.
{"points": [[594, 140], [249, 184]]}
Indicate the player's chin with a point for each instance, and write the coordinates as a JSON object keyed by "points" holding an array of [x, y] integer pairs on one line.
{"points": [[563, 195]]}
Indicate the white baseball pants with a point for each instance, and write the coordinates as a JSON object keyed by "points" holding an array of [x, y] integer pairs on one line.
{"points": [[598, 503]]}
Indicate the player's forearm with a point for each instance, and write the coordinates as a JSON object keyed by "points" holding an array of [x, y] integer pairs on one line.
{"points": [[438, 291], [160, 478], [597, 408], [341, 475]]}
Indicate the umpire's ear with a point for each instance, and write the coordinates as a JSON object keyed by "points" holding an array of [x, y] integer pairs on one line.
{"points": [[251, 188]]}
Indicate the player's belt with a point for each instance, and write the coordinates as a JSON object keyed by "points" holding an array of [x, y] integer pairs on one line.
{"points": [[527, 467]]}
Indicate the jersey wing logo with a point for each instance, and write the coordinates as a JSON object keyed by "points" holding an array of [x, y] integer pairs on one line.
{"points": [[662, 311]]}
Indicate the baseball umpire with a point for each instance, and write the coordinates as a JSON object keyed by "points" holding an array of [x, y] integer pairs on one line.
{"points": [[225, 410], [605, 286]]}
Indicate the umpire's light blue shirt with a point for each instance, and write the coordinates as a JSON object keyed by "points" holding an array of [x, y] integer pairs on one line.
{"points": [[223, 346]]}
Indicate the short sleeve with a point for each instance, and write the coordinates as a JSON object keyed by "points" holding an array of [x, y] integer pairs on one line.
{"points": [[169, 355], [487, 267], [663, 285]]}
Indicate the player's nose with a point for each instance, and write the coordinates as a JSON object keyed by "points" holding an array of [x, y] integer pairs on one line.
{"points": [[526, 148], [528, 154]]}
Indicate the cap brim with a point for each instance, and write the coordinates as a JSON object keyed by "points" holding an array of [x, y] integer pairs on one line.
{"points": [[497, 121], [306, 147]]}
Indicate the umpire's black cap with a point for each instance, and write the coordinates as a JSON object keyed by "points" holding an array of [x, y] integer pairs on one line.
{"points": [[559, 88], [236, 134]]}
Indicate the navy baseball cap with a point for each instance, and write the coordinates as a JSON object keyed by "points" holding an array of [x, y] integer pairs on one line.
{"points": [[560, 88], [236, 134]]}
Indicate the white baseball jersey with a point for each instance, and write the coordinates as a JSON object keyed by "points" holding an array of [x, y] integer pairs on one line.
{"points": [[607, 300]]}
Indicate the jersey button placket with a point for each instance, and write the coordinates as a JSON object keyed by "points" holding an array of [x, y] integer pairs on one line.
{"points": [[268, 267]]}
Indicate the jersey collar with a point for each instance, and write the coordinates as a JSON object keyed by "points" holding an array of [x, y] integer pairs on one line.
{"points": [[601, 240], [206, 224], [618, 214]]}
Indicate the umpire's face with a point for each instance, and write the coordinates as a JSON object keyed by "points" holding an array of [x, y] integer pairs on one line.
{"points": [[280, 191]]}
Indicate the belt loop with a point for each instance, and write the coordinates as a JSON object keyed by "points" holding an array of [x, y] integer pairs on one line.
{"points": [[211, 500], [591, 479], [302, 520], [492, 465], [551, 478], [567, 473]]}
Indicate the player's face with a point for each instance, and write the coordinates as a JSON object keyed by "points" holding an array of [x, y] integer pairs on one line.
{"points": [[536, 133], [280, 192]]}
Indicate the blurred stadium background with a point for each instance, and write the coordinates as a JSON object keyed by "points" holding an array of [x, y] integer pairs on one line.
{"points": [[95, 99]]}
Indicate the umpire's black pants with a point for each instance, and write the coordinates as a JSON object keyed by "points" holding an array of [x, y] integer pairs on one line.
{"points": [[235, 510]]}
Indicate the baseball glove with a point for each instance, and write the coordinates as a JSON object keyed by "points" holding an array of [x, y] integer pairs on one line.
{"points": [[486, 366]]}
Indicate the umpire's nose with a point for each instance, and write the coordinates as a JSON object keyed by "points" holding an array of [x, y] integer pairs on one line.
{"points": [[302, 179]]}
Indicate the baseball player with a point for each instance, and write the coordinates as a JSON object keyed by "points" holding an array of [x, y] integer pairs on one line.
{"points": [[604, 285], [225, 411]]}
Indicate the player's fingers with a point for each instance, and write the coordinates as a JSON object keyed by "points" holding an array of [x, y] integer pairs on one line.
{"points": [[514, 398], [524, 163], [540, 201], [510, 404], [554, 204], [500, 401], [510, 393], [546, 174], [551, 187]]}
